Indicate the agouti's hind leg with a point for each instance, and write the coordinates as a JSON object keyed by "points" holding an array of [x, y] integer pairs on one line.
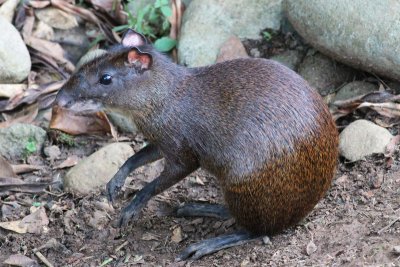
{"points": [[203, 210], [146, 155], [205, 247]]}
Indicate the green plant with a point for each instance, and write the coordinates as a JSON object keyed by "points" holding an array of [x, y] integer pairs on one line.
{"points": [[151, 20], [267, 36], [30, 147], [66, 139]]}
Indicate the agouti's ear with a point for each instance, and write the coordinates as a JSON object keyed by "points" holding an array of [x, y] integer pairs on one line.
{"points": [[132, 38], [141, 60]]}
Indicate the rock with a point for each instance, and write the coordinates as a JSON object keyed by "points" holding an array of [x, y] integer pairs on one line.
{"points": [[362, 138], [52, 152], [289, 58], [348, 31], [7, 9], [354, 89], [231, 49], [97, 169], [324, 74], [15, 139], [15, 62], [202, 35], [56, 18]]}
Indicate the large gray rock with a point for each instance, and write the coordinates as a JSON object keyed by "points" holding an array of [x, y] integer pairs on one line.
{"points": [[354, 89], [362, 138], [97, 169], [15, 139], [207, 24], [363, 34], [324, 74], [15, 62]]}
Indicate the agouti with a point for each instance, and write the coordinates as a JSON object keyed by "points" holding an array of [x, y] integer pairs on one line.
{"points": [[256, 125]]}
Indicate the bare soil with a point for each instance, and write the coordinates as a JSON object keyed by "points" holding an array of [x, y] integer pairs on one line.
{"points": [[356, 224]]}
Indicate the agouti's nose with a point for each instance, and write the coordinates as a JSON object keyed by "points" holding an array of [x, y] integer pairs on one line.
{"points": [[63, 100]]}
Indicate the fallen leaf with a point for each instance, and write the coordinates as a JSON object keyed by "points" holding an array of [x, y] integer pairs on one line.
{"points": [[25, 115], [73, 123], [56, 18], [24, 168], [14, 226], [39, 4], [21, 260], [69, 162], [18, 185], [6, 169]]}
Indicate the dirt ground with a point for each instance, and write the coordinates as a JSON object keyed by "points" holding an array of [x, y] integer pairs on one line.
{"points": [[356, 224]]}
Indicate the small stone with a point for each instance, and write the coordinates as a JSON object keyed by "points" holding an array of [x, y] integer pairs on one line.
{"points": [[15, 61], [396, 250], [266, 240], [177, 235], [231, 49], [311, 248], [52, 152], [362, 138], [97, 169], [18, 138]]}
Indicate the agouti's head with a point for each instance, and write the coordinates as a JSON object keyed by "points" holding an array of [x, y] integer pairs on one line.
{"points": [[125, 77]]}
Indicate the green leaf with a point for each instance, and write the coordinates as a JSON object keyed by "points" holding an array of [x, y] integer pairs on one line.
{"points": [[164, 44], [164, 2], [166, 11], [31, 146], [36, 204], [120, 28]]}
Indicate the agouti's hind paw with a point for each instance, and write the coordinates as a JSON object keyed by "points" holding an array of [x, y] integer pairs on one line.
{"points": [[113, 187], [205, 247]]}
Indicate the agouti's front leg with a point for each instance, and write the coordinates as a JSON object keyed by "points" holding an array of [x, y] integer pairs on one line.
{"points": [[148, 154], [173, 172]]}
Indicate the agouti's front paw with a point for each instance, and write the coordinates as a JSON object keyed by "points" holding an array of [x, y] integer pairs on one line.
{"points": [[128, 214], [113, 188]]}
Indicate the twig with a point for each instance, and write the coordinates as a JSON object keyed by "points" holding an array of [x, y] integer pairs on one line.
{"points": [[121, 246], [42, 258], [389, 225]]}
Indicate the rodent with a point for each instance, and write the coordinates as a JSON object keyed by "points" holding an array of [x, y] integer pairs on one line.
{"points": [[255, 124]]}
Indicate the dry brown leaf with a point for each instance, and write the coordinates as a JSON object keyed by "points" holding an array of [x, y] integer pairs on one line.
{"points": [[69, 162], [7, 10], [388, 109], [150, 236], [24, 168], [26, 115], [56, 18], [51, 49], [17, 185], [6, 169], [391, 147], [32, 95], [68, 121]]}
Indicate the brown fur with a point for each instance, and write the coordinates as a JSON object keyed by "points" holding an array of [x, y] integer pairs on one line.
{"points": [[253, 123]]}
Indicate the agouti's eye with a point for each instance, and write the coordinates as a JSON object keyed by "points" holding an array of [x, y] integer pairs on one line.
{"points": [[106, 79]]}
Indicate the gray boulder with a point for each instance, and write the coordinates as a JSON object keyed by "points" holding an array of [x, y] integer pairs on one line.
{"points": [[15, 140], [362, 138], [207, 24], [354, 89], [324, 74], [15, 62], [363, 34]]}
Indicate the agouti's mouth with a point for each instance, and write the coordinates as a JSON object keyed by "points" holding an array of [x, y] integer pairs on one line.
{"points": [[82, 107]]}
